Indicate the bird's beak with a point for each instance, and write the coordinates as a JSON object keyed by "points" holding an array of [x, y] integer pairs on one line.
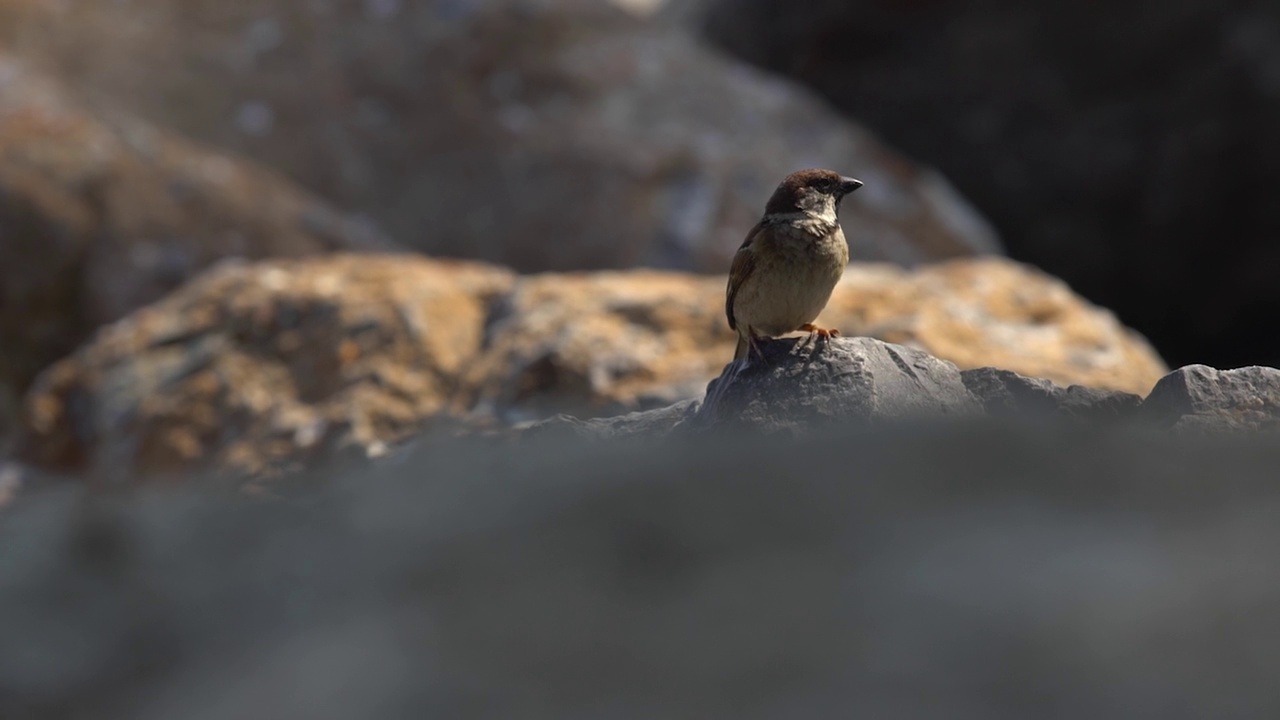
{"points": [[848, 185]]}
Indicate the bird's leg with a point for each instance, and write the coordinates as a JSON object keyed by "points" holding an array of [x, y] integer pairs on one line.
{"points": [[753, 345], [824, 333]]}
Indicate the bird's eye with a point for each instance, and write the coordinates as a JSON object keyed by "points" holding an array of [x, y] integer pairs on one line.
{"points": [[824, 185]]}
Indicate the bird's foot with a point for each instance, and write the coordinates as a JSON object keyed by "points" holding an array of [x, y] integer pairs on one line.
{"points": [[824, 333]]}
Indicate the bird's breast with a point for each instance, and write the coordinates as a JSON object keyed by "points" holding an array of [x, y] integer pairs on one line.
{"points": [[792, 283]]}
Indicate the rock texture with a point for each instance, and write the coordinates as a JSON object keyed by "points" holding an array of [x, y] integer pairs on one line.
{"points": [[260, 367], [1125, 147], [1197, 397], [797, 385], [101, 216], [267, 365], [603, 343], [997, 313], [1007, 394], [647, 424], [559, 134]]}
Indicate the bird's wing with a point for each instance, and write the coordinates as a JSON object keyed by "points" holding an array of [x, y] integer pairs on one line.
{"points": [[743, 263]]}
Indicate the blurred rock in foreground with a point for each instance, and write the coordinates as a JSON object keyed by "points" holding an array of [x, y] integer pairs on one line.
{"points": [[100, 215], [253, 366], [560, 134], [920, 573]]}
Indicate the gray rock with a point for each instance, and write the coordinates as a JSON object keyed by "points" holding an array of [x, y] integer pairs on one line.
{"points": [[102, 221], [647, 424], [989, 573], [558, 134], [1200, 398], [1004, 393], [801, 383]]}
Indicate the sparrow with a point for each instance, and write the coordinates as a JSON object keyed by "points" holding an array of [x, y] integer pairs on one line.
{"points": [[783, 274]]}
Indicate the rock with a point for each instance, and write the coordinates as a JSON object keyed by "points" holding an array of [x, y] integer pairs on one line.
{"points": [[560, 134], [1197, 398], [1128, 148], [801, 384], [649, 424], [98, 218], [259, 367], [998, 313], [1010, 395], [887, 574], [601, 344]]}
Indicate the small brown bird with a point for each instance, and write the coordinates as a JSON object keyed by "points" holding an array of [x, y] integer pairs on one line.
{"points": [[783, 274]]}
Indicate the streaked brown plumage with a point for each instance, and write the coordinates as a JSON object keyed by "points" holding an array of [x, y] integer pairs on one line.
{"points": [[783, 274]]}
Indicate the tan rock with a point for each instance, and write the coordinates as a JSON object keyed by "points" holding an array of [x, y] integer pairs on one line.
{"points": [[996, 313], [256, 366], [259, 366], [601, 343], [608, 342], [99, 217]]}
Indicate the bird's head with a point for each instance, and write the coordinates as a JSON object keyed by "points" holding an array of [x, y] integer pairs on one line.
{"points": [[814, 193]]}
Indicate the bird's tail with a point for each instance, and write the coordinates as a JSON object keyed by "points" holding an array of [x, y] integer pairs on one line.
{"points": [[743, 348]]}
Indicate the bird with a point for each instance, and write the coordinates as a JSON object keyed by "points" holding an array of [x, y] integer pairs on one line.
{"points": [[785, 270]]}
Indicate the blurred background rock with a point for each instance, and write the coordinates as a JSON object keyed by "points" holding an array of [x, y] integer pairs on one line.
{"points": [[101, 214], [563, 134]]}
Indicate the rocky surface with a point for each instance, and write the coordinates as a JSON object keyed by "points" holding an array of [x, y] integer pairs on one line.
{"points": [[560, 134], [1127, 148], [797, 385], [1006, 394], [995, 313], [646, 424], [963, 573], [602, 343], [1197, 397], [100, 216], [259, 365]]}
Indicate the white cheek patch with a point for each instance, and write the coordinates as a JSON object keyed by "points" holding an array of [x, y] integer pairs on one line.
{"points": [[814, 201], [823, 208]]}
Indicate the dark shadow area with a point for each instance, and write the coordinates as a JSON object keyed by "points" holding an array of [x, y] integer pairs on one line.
{"points": [[1127, 147]]}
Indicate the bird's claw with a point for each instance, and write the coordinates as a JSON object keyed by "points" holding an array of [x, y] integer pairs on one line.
{"points": [[824, 333]]}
